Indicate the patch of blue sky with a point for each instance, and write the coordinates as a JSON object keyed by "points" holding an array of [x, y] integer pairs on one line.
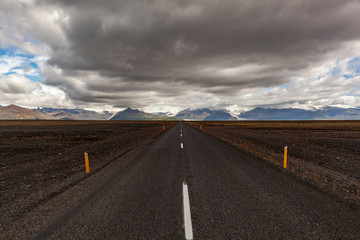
{"points": [[352, 69], [14, 70], [34, 78], [9, 73], [348, 76], [354, 65], [24, 61], [354, 92], [335, 70], [285, 86], [268, 88], [16, 52], [3, 52], [34, 65]]}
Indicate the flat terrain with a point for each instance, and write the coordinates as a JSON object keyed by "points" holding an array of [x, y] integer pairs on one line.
{"points": [[40, 159], [323, 153], [233, 194]]}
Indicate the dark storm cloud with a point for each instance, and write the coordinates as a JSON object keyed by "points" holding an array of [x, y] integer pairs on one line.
{"points": [[169, 47]]}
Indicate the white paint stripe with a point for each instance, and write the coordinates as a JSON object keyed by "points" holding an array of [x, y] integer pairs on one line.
{"points": [[180, 135], [187, 214], [182, 145]]}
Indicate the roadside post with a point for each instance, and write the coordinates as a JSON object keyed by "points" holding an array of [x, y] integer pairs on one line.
{"points": [[163, 127], [285, 157], [200, 127], [87, 163]]}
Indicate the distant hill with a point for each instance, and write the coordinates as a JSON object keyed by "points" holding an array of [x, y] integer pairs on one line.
{"points": [[338, 113], [205, 114], [13, 112], [278, 114], [196, 114], [134, 114], [219, 115], [301, 114], [73, 114]]}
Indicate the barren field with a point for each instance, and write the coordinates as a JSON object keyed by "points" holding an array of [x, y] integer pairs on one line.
{"points": [[325, 154], [40, 159]]}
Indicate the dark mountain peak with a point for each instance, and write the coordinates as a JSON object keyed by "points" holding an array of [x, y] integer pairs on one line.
{"points": [[130, 110], [205, 114], [135, 114], [204, 110], [219, 115]]}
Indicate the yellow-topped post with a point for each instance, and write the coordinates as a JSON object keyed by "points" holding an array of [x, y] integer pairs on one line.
{"points": [[163, 127], [87, 163], [200, 127], [285, 157]]}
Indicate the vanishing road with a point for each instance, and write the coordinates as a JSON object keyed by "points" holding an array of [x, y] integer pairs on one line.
{"points": [[189, 185]]}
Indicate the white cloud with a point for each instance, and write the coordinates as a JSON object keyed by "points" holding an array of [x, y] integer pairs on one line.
{"points": [[17, 89], [7, 63]]}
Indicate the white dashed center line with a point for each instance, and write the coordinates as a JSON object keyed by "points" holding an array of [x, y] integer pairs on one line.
{"points": [[182, 145], [187, 214]]}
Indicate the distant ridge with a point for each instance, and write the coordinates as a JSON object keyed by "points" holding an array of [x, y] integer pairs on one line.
{"points": [[14, 112], [134, 114], [329, 113], [72, 114], [205, 114]]}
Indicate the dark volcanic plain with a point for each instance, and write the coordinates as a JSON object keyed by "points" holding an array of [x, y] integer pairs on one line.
{"points": [[325, 154], [41, 159], [237, 190]]}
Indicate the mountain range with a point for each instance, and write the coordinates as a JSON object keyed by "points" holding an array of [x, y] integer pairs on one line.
{"points": [[72, 114], [330, 113], [13, 112], [205, 114], [134, 114]]}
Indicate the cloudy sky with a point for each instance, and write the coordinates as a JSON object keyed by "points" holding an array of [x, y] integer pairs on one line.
{"points": [[168, 55]]}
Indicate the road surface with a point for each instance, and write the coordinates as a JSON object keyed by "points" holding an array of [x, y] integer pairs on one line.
{"points": [[189, 185]]}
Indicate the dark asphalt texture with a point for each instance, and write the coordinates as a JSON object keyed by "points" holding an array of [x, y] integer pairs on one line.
{"points": [[232, 196]]}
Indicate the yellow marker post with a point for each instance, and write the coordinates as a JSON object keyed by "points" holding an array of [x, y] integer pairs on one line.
{"points": [[285, 157], [163, 127], [200, 127], [87, 163]]}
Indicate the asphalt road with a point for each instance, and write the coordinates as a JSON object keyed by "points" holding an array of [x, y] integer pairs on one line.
{"points": [[231, 196]]}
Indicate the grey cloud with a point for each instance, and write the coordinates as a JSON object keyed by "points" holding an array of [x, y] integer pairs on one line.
{"points": [[16, 84], [107, 35], [163, 46]]}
